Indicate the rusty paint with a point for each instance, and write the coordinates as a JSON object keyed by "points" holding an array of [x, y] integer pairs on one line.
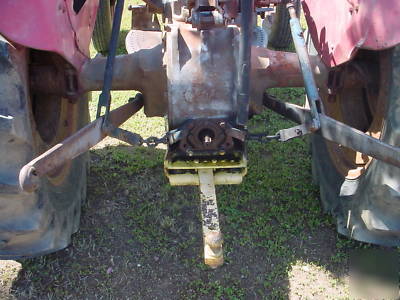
{"points": [[73, 146], [51, 74], [50, 26], [141, 70], [207, 136], [279, 69], [340, 27], [362, 106], [201, 73]]}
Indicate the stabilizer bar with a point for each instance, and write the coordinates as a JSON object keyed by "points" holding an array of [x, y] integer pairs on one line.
{"points": [[337, 132], [73, 146]]}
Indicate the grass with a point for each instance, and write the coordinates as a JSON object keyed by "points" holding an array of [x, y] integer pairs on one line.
{"points": [[141, 238]]}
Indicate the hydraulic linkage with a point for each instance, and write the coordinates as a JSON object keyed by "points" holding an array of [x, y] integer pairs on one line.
{"points": [[204, 90], [314, 121]]}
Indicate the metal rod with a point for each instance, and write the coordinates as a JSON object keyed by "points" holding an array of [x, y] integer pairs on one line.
{"points": [[357, 140], [305, 65], [212, 237], [244, 69], [73, 146], [290, 111], [105, 96], [126, 136], [127, 72], [338, 132]]}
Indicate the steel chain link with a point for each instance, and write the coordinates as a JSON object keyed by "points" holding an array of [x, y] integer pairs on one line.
{"points": [[261, 138], [154, 141]]}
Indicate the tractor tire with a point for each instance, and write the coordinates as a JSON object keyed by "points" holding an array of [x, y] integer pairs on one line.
{"points": [[43, 221], [280, 36], [102, 28], [361, 192]]}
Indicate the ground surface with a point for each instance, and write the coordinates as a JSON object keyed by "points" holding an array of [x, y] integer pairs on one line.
{"points": [[141, 238]]}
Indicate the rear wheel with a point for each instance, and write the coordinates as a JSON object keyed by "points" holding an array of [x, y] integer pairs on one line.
{"points": [[280, 35], [363, 193], [42, 221], [102, 28]]}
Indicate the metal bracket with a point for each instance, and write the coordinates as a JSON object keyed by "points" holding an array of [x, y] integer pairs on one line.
{"points": [[294, 132], [174, 136], [283, 135]]}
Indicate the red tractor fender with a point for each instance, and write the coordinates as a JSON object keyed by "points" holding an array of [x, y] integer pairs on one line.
{"points": [[339, 28], [51, 26]]}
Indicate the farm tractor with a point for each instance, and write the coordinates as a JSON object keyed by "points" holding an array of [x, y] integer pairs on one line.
{"points": [[206, 66]]}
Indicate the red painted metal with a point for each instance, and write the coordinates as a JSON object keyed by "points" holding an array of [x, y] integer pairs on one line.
{"points": [[340, 27], [50, 26]]}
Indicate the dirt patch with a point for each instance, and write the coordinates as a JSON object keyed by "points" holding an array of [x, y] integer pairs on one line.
{"points": [[9, 270], [308, 281], [140, 238]]}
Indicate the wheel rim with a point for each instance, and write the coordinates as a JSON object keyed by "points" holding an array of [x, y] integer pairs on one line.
{"points": [[360, 105], [55, 119]]}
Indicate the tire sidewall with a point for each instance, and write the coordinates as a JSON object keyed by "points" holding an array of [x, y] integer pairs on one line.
{"points": [[375, 189]]}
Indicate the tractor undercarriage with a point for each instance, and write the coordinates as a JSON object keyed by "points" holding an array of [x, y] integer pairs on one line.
{"points": [[205, 72]]}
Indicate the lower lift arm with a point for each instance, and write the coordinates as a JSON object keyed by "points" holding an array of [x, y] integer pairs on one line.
{"points": [[334, 131]]}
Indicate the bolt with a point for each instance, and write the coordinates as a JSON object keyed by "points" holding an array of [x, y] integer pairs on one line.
{"points": [[207, 139]]}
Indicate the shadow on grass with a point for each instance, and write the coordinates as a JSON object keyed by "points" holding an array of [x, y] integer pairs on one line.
{"points": [[141, 238]]}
